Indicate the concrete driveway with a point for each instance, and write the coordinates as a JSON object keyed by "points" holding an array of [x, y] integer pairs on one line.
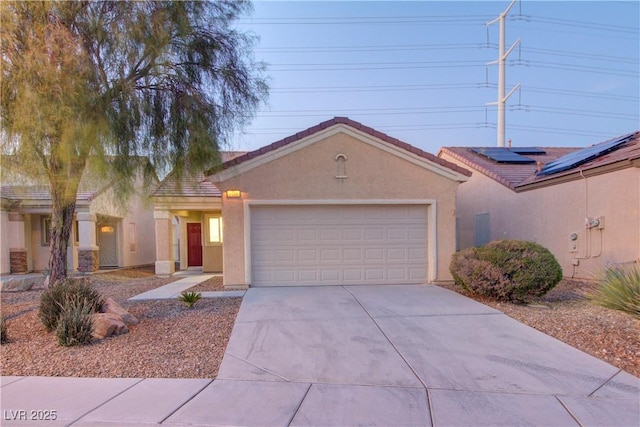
{"points": [[354, 355], [402, 355]]}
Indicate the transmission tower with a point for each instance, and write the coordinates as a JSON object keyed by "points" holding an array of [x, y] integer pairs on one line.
{"points": [[501, 61]]}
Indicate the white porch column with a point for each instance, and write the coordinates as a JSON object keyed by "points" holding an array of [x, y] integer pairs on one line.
{"points": [[87, 248], [165, 265], [17, 243], [4, 243]]}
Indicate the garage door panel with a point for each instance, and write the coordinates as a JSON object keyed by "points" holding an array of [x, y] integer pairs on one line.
{"points": [[397, 274], [375, 274], [353, 275], [308, 255], [417, 273], [333, 245], [397, 254], [308, 276], [352, 255]]}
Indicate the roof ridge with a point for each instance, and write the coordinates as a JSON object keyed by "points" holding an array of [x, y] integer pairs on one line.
{"points": [[351, 123]]}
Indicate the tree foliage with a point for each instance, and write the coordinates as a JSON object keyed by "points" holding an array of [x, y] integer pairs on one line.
{"points": [[106, 81]]}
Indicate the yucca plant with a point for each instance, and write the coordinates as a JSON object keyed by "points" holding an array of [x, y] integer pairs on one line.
{"points": [[75, 324], [55, 299], [190, 298], [619, 289]]}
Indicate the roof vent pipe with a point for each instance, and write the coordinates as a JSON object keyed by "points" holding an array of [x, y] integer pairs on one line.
{"points": [[539, 163], [509, 143]]}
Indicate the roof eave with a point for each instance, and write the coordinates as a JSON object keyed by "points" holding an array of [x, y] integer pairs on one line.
{"points": [[577, 174]]}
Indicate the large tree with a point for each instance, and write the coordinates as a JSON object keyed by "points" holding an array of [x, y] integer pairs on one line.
{"points": [[89, 80]]}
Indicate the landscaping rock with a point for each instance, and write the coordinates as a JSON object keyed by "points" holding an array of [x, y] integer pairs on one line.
{"points": [[110, 306], [108, 324], [21, 284]]}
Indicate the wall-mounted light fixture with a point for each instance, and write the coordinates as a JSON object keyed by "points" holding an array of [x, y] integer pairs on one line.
{"points": [[233, 194]]}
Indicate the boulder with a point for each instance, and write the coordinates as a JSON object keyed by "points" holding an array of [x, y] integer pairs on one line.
{"points": [[110, 306], [108, 324]]}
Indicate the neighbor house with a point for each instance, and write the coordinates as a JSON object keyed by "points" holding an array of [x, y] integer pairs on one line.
{"points": [[582, 204], [339, 203], [104, 234], [188, 223]]}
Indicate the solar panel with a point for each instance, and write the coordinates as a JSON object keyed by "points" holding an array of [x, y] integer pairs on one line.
{"points": [[532, 151], [502, 155], [579, 157]]}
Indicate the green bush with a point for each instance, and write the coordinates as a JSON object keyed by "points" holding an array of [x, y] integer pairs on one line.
{"points": [[56, 298], [619, 289], [190, 298], [4, 338], [507, 270], [75, 323]]}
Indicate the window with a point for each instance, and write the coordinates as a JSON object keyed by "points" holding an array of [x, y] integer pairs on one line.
{"points": [[132, 237], [46, 230], [214, 234]]}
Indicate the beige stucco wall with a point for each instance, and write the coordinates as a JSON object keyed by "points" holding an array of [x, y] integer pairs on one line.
{"points": [[549, 215], [309, 174], [138, 211]]}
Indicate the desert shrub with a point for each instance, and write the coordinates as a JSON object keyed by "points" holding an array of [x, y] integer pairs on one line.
{"points": [[507, 270], [4, 338], [190, 298], [56, 298], [75, 324], [619, 289]]}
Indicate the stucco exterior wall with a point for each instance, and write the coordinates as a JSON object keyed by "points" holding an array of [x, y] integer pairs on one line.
{"points": [[139, 247], [549, 215], [309, 174]]}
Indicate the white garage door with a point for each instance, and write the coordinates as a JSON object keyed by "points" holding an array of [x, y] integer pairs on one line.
{"points": [[336, 245]]}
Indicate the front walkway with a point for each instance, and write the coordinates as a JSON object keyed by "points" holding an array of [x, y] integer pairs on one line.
{"points": [[174, 289], [356, 355]]}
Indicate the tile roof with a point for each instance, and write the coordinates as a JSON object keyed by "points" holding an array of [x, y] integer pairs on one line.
{"points": [[19, 186], [195, 185], [515, 176], [38, 192], [352, 123]]}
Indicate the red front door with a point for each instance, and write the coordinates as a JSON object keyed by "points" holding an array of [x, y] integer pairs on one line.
{"points": [[194, 245]]}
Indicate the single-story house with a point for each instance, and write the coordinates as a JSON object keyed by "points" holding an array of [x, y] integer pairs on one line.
{"points": [[103, 235], [582, 204], [188, 222], [338, 203]]}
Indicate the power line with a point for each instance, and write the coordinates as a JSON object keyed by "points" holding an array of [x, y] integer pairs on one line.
{"points": [[462, 46], [578, 24], [385, 88], [448, 86], [575, 112], [575, 67], [446, 19], [372, 48]]}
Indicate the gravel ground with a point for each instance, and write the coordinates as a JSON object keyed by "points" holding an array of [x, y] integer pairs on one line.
{"points": [[173, 341]]}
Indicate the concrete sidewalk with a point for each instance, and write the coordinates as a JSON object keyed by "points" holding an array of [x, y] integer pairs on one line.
{"points": [[356, 355], [174, 289]]}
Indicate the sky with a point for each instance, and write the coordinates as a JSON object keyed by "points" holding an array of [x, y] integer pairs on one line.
{"points": [[418, 71]]}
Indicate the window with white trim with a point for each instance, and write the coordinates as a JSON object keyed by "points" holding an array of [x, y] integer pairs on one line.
{"points": [[214, 229]]}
